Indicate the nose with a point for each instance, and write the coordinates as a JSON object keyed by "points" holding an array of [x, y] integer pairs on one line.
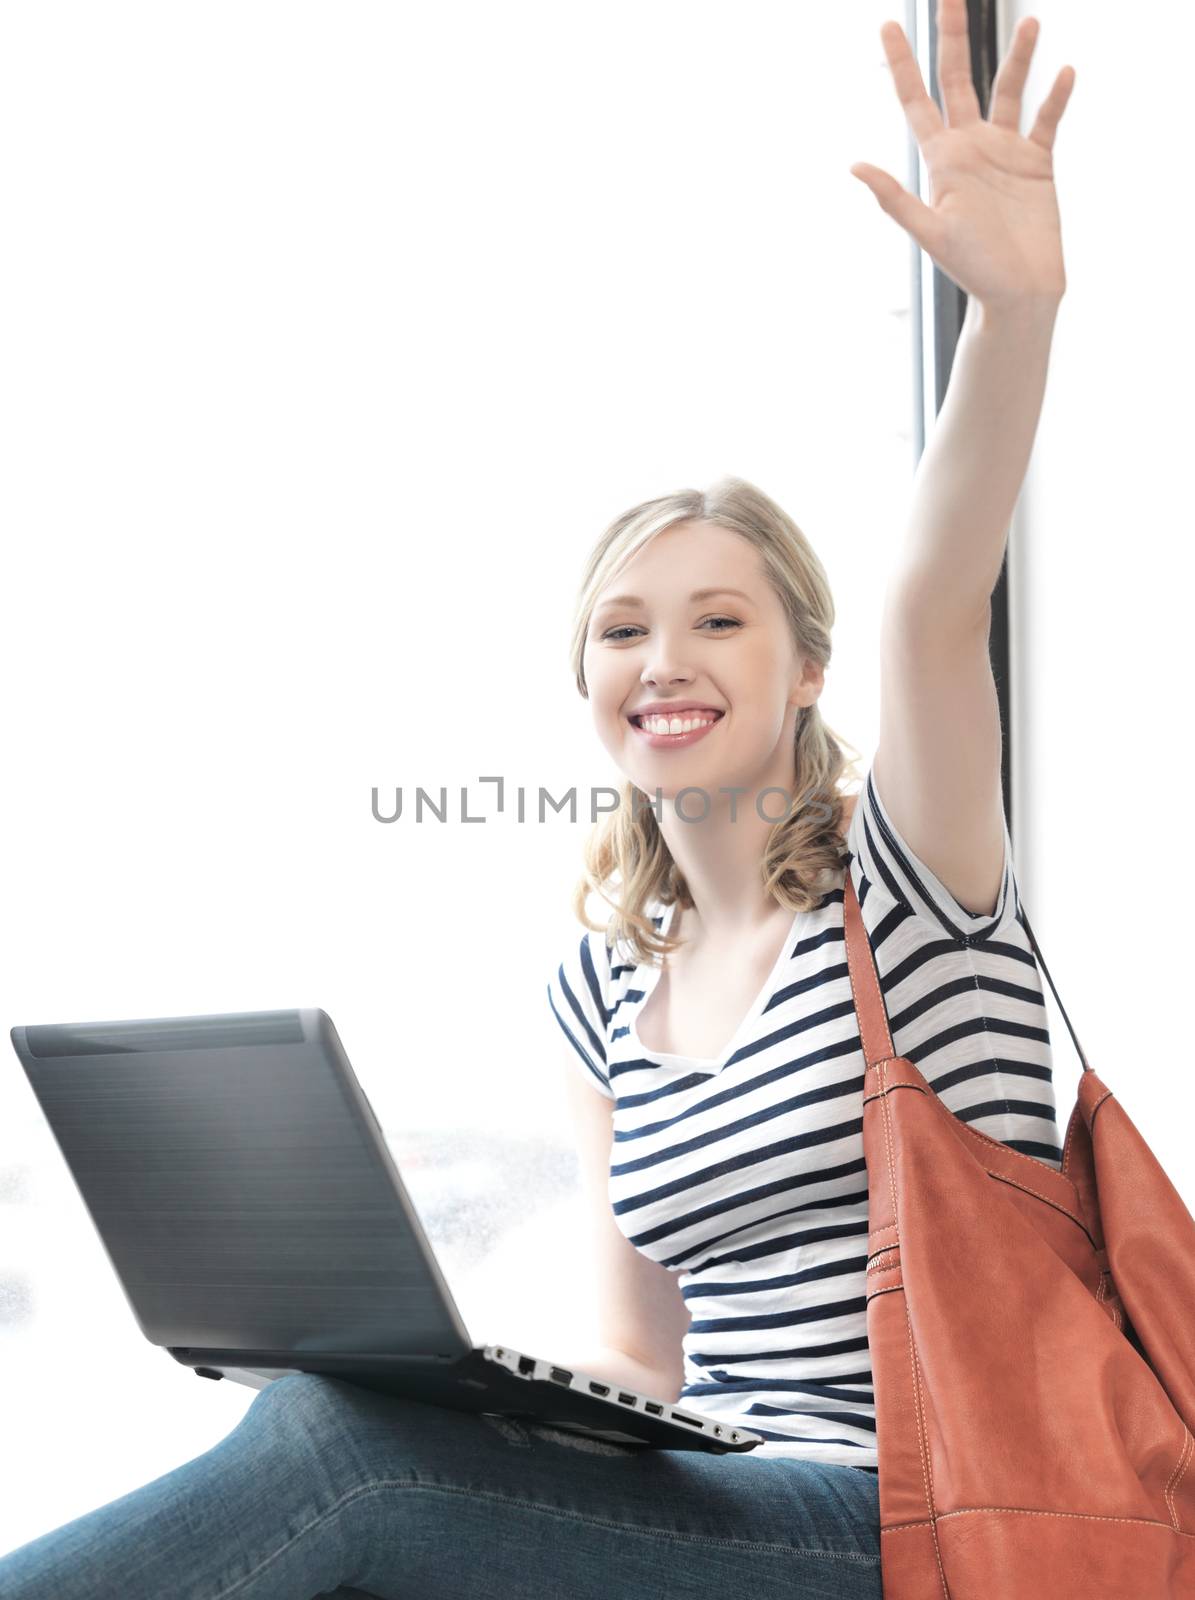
{"points": [[654, 679], [665, 666]]}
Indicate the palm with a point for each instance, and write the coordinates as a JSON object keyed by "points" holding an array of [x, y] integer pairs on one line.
{"points": [[992, 223]]}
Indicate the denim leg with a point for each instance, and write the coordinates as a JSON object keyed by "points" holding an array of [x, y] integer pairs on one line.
{"points": [[327, 1490]]}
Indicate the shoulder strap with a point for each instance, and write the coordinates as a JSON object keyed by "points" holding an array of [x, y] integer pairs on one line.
{"points": [[868, 996], [1050, 981]]}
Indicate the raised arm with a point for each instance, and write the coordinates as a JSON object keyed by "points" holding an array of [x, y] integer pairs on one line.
{"points": [[992, 225]]}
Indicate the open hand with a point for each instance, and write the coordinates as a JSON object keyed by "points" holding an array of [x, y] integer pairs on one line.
{"points": [[992, 222]]}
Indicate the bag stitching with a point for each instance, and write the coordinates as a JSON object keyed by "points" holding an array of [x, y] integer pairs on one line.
{"points": [[876, 1265], [1019, 1154], [928, 1459], [926, 1480], [1176, 1476], [1066, 1149], [1016, 1183], [1007, 1149], [1025, 1511]]}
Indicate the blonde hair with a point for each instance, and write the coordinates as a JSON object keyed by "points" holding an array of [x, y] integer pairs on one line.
{"points": [[804, 849]]}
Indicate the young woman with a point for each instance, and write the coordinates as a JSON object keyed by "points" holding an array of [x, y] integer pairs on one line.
{"points": [[718, 1090]]}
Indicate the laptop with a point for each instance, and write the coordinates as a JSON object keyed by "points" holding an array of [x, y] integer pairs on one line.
{"points": [[258, 1223]]}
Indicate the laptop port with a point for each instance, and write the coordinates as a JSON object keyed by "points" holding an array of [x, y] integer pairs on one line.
{"points": [[599, 1388], [656, 1411], [679, 1416], [627, 1399], [526, 1364], [559, 1375]]}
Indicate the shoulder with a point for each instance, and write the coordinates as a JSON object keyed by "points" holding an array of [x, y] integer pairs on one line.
{"points": [[894, 875], [585, 956], [579, 994]]}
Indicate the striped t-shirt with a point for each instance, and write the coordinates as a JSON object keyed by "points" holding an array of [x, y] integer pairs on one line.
{"points": [[745, 1174]]}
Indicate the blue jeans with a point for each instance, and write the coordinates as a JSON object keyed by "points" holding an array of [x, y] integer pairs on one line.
{"points": [[324, 1489]]}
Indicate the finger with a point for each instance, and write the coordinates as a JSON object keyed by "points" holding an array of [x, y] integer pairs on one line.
{"points": [[920, 110], [1050, 112], [1005, 108], [954, 64], [914, 216]]}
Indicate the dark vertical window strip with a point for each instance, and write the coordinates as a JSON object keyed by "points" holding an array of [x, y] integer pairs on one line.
{"points": [[948, 305]]}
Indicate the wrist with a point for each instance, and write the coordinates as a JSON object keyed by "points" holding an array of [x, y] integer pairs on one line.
{"points": [[1024, 314]]}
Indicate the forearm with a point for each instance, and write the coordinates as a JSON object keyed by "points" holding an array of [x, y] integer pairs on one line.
{"points": [[621, 1371], [974, 462]]}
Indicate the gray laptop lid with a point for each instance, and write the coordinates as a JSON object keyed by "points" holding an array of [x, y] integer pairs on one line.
{"points": [[241, 1186]]}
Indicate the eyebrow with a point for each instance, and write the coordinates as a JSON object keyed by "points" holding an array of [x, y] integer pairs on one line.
{"points": [[698, 594]]}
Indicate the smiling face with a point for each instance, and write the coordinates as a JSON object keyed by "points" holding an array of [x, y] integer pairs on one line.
{"points": [[651, 642]]}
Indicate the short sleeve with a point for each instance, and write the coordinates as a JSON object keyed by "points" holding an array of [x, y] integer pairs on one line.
{"points": [[579, 995], [888, 862]]}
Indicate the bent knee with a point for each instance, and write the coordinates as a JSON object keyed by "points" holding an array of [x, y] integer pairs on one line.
{"points": [[330, 1414], [360, 1433], [306, 1405]]}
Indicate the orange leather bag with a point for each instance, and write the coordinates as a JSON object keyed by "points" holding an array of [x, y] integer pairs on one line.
{"points": [[1032, 1339]]}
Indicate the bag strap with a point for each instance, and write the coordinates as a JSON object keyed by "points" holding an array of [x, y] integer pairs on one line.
{"points": [[1050, 981], [873, 1015]]}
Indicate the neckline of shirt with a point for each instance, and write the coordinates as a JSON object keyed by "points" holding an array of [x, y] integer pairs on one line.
{"points": [[710, 1066]]}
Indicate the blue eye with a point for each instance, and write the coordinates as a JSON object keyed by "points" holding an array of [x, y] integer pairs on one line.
{"points": [[630, 629]]}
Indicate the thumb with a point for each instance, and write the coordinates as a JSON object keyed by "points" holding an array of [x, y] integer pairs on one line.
{"points": [[892, 197]]}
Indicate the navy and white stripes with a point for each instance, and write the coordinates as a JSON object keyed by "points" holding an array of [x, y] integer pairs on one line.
{"points": [[745, 1175]]}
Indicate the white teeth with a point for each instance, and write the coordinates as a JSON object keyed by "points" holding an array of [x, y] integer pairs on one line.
{"points": [[660, 724]]}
